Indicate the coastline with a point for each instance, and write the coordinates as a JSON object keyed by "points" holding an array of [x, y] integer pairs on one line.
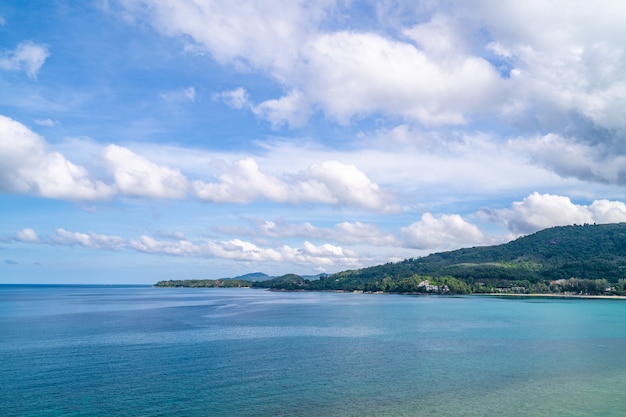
{"points": [[493, 294], [600, 297]]}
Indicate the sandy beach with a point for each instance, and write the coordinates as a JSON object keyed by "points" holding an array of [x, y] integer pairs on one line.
{"points": [[610, 297]]}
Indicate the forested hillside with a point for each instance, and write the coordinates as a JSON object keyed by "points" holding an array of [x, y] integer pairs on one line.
{"points": [[587, 259]]}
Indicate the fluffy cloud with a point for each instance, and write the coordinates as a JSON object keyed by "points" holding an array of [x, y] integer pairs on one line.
{"points": [[176, 248], [344, 232], [292, 109], [235, 249], [26, 166], [27, 56], [136, 176], [341, 184], [243, 251], [606, 211], [241, 183], [326, 251], [531, 66], [442, 232], [264, 35], [330, 182], [540, 211], [344, 73], [558, 64], [88, 240], [27, 235], [363, 73], [436, 64]]}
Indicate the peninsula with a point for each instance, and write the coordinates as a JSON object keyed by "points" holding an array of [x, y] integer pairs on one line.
{"points": [[566, 260]]}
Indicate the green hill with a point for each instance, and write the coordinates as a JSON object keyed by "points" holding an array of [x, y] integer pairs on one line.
{"points": [[289, 282], [253, 276], [576, 259], [588, 259]]}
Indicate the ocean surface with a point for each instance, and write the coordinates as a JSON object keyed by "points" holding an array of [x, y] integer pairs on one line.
{"points": [[142, 351]]}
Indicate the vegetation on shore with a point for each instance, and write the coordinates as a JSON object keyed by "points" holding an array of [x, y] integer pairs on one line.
{"points": [[205, 283], [585, 260]]}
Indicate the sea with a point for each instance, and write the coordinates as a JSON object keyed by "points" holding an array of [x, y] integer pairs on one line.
{"points": [[143, 351]]}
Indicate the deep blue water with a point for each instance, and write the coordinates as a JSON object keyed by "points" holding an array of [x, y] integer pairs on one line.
{"points": [[141, 351]]}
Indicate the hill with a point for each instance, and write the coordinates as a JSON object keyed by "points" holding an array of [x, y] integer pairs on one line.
{"points": [[253, 276], [571, 259], [587, 259]]}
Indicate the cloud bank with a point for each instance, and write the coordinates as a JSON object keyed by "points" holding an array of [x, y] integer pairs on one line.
{"points": [[430, 233], [28, 167], [544, 67], [466, 58]]}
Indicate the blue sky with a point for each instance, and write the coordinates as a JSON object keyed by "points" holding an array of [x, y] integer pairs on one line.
{"points": [[143, 140]]}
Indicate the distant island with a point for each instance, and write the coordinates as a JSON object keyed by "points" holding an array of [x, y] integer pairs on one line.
{"points": [[566, 260]]}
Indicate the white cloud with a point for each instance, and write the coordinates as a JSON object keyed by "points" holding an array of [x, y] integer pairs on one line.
{"points": [[336, 183], [292, 109], [243, 251], [349, 74], [344, 73], [183, 94], [445, 231], [440, 38], [26, 166], [436, 63], [27, 235], [88, 240], [326, 250], [136, 176], [27, 56], [237, 98], [176, 248], [344, 232], [424, 168], [560, 65], [242, 182], [605, 211], [330, 182], [261, 34], [540, 211], [310, 255], [47, 122], [325, 255]]}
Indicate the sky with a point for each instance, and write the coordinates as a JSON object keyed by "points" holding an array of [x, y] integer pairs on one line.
{"points": [[146, 140]]}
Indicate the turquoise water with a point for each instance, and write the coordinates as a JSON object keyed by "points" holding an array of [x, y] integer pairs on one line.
{"points": [[141, 351]]}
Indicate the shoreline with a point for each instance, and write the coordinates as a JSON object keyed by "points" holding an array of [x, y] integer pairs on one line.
{"points": [[358, 292], [600, 297]]}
